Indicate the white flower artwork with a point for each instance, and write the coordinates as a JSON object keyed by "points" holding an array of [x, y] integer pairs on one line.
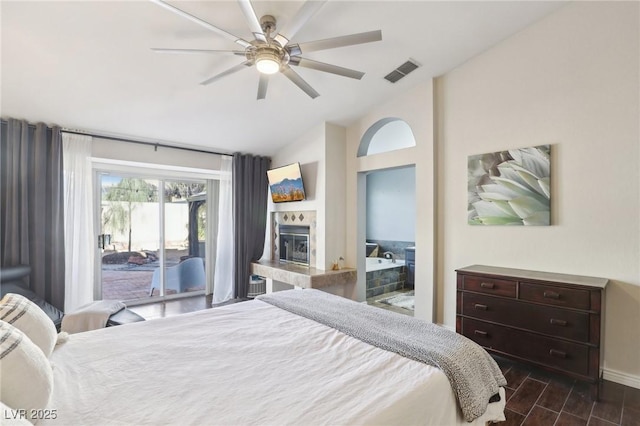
{"points": [[510, 187]]}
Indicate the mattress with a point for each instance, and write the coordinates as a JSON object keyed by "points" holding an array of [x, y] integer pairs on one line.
{"points": [[246, 363]]}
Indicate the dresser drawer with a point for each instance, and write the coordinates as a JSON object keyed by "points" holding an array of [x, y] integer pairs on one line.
{"points": [[542, 319], [559, 296], [489, 285], [544, 351]]}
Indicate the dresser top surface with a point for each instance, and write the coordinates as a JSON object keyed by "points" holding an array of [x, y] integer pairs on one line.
{"points": [[535, 275]]}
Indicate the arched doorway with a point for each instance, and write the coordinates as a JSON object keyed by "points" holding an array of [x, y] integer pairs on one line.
{"points": [[389, 210]]}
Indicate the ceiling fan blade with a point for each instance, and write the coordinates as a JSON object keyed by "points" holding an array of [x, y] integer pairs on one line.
{"points": [[298, 81], [252, 19], [163, 50], [227, 72], [262, 86], [348, 40], [199, 21], [308, 9], [321, 66]]}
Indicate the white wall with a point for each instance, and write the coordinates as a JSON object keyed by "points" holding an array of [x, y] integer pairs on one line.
{"points": [[145, 223], [125, 151], [391, 204], [572, 81], [324, 187]]}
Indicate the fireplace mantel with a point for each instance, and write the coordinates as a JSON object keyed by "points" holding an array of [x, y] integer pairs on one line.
{"points": [[302, 276]]}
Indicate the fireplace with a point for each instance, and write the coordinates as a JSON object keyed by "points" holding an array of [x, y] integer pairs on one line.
{"points": [[294, 244]]}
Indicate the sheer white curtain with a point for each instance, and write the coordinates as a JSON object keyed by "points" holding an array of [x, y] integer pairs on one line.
{"points": [[78, 221], [223, 276]]}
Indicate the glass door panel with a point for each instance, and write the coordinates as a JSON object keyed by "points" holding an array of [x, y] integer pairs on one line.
{"points": [[129, 238], [184, 236]]}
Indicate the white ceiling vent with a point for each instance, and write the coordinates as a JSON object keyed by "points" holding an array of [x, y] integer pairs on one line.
{"points": [[402, 71]]}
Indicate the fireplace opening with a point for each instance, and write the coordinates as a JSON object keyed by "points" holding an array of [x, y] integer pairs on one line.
{"points": [[294, 244]]}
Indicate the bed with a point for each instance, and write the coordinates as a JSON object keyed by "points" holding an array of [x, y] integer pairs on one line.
{"points": [[246, 363]]}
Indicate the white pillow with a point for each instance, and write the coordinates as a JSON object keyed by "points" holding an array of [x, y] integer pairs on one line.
{"points": [[26, 378], [25, 315]]}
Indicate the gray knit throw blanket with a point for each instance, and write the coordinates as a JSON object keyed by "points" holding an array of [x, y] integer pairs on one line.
{"points": [[474, 375]]}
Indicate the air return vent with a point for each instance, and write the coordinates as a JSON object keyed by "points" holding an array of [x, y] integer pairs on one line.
{"points": [[401, 71]]}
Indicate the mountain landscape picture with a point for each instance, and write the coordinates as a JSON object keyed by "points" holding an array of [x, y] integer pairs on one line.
{"points": [[286, 183]]}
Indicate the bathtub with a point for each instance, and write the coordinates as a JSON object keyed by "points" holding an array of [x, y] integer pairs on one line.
{"points": [[379, 263], [384, 276]]}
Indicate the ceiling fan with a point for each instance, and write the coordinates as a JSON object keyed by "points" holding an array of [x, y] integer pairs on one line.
{"points": [[273, 52]]}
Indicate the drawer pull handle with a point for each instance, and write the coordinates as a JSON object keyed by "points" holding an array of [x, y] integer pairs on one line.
{"points": [[558, 322], [557, 353], [551, 295], [480, 307], [487, 285], [481, 333]]}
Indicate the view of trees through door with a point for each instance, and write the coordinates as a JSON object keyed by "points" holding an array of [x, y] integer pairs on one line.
{"points": [[152, 236]]}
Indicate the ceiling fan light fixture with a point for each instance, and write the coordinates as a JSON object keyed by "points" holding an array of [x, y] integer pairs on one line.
{"points": [[274, 54], [268, 62]]}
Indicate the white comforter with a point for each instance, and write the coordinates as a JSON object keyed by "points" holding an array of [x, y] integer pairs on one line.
{"points": [[247, 363]]}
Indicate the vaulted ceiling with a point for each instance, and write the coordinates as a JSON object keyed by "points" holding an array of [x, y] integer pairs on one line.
{"points": [[88, 65]]}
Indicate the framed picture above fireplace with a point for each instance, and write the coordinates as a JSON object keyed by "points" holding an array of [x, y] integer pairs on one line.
{"points": [[286, 183]]}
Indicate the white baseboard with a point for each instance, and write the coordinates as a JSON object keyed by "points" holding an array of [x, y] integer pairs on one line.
{"points": [[448, 327], [621, 378]]}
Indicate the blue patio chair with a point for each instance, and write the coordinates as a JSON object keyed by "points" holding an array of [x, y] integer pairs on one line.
{"points": [[186, 274]]}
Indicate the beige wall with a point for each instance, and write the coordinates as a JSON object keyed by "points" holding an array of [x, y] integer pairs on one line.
{"points": [[324, 188], [335, 194], [308, 150], [572, 81]]}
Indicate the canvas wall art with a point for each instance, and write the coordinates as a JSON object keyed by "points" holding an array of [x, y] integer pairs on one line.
{"points": [[286, 183], [510, 187]]}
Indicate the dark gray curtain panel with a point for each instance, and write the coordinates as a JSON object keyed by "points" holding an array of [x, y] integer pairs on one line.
{"points": [[31, 212], [250, 191]]}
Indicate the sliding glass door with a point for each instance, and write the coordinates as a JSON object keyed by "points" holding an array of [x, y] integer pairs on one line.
{"points": [[184, 236], [152, 237]]}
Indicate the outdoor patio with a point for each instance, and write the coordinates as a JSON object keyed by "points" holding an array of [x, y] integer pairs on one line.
{"points": [[128, 285], [132, 279], [125, 285]]}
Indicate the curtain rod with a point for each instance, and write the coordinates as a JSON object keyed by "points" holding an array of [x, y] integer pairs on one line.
{"points": [[112, 138], [156, 145]]}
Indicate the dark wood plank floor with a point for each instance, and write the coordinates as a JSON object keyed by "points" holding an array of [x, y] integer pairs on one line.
{"points": [[172, 307], [534, 398], [539, 398]]}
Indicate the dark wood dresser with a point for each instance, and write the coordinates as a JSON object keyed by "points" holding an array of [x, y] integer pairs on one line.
{"points": [[552, 321]]}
